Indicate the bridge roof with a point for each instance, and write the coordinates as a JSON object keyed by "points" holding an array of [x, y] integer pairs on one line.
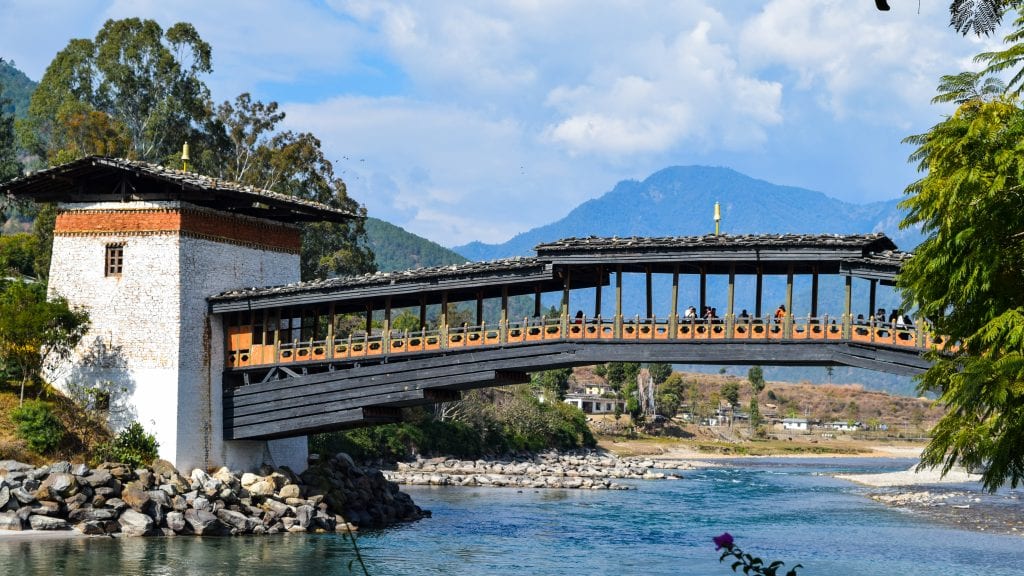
{"points": [[520, 276], [101, 179], [876, 266], [771, 253]]}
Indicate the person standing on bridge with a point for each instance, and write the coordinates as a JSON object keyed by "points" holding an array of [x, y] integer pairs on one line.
{"points": [[780, 313]]}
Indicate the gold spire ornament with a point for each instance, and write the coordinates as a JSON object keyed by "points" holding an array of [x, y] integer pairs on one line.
{"points": [[184, 157], [718, 217]]}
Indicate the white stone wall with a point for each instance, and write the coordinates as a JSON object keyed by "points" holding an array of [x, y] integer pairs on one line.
{"points": [[152, 337], [212, 268]]}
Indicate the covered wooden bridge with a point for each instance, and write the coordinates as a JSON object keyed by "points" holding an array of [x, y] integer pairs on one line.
{"points": [[352, 351]]}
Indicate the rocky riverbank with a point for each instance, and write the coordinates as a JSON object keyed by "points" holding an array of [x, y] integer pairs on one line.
{"points": [[333, 494], [586, 470]]}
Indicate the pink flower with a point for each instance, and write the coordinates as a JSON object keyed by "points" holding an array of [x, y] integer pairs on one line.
{"points": [[723, 541]]}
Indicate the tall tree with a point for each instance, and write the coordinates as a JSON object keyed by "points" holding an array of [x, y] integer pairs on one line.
{"points": [[756, 377], [966, 278], [134, 79], [252, 152]]}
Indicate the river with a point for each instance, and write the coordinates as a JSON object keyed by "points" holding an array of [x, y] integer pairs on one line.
{"points": [[787, 509]]}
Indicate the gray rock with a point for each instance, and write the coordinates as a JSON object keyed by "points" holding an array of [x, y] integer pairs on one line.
{"points": [[63, 467], [98, 478], [116, 504], [304, 515], [14, 466], [135, 523], [22, 495], [204, 523], [179, 503], [38, 522], [278, 508], [79, 469], [160, 498], [92, 515], [5, 495], [176, 522], [47, 508], [236, 520], [201, 503], [169, 489], [10, 521]]}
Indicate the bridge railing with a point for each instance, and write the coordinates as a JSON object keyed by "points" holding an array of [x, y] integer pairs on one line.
{"points": [[243, 353]]}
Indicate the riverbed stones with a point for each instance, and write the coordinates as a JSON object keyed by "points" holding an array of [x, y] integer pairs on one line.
{"points": [[40, 522], [158, 500], [588, 470]]}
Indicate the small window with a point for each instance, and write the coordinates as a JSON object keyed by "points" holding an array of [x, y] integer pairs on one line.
{"points": [[114, 259]]}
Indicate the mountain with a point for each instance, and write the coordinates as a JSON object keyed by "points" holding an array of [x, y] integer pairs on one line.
{"points": [[678, 201], [16, 88], [396, 249]]}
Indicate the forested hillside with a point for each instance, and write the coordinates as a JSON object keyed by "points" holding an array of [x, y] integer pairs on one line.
{"points": [[395, 249], [16, 88]]}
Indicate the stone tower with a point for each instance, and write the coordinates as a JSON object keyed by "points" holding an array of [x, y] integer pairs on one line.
{"points": [[142, 248]]}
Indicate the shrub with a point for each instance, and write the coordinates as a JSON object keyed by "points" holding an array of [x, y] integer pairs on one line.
{"points": [[38, 426], [133, 446]]}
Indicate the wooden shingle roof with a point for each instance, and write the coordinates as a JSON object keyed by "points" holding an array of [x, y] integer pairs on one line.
{"points": [[101, 179]]}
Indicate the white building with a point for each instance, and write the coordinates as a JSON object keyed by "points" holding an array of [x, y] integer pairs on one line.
{"points": [[590, 404], [141, 248], [796, 424]]}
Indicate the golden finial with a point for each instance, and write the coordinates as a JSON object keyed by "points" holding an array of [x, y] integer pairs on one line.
{"points": [[718, 217], [184, 157]]}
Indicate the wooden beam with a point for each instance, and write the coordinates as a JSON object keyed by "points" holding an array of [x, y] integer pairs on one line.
{"points": [[703, 289], [814, 292], [674, 314], [732, 290], [759, 291], [871, 299], [597, 297], [650, 290]]}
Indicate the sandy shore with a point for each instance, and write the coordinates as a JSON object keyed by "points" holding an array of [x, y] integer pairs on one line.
{"points": [[913, 477], [16, 535]]}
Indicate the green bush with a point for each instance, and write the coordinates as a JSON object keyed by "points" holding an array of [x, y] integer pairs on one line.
{"points": [[38, 426], [133, 446]]}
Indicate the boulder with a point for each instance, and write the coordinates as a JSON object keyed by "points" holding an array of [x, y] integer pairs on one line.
{"points": [[79, 469], [290, 491], [135, 497], [135, 523], [10, 521], [236, 520], [262, 488], [116, 504], [5, 495], [304, 515], [176, 522], [14, 466], [164, 468], [248, 479], [39, 522], [204, 523], [160, 498], [92, 515], [278, 508], [62, 467]]}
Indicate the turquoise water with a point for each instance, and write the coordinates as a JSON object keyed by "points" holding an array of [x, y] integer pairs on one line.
{"points": [[778, 509]]}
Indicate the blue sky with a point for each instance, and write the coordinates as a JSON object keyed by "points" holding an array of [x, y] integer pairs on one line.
{"points": [[468, 120]]}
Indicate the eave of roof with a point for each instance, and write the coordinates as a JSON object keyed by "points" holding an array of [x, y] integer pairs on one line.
{"points": [[470, 276], [90, 179]]}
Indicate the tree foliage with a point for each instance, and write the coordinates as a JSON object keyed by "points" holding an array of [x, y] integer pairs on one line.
{"points": [[731, 392], [966, 278], [34, 330], [136, 85], [10, 167], [137, 91], [38, 426], [756, 377]]}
